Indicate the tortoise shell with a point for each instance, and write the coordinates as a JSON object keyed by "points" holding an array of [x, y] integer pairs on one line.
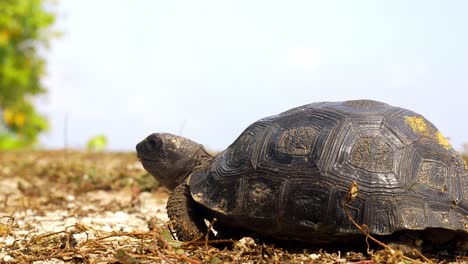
{"points": [[287, 175]]}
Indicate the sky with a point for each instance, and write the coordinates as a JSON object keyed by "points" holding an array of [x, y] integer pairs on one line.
{"points": [[208, 69]]}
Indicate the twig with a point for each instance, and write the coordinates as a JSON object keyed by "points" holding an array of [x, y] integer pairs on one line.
{"points": [[5, 202], [171, 229], [352, 194], [34, 239], [10, 222], [161, 256], [209, 231], [217, 241], [193, 240], [190, 260], [422, 256]]}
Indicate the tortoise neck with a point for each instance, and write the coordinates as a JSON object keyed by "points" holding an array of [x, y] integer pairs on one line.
{"points": [[200, 160], [204, 158]]}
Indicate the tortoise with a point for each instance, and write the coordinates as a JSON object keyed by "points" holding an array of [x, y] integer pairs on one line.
{"points": [[286, 176]]}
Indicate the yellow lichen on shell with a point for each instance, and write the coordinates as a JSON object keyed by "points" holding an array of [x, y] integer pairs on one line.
{"points": [[443, 140], [418, 125]]}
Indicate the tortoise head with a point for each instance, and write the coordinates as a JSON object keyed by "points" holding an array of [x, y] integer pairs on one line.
{"points": [[169, 158]]}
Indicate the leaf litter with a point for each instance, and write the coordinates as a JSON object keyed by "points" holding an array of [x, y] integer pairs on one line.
{"points": [[84, 207]]}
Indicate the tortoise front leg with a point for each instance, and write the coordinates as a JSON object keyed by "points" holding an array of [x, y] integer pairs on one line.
{"points": [[185, 214]]}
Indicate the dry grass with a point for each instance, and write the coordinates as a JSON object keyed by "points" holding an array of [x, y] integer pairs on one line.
{"points": [[76, 207]]}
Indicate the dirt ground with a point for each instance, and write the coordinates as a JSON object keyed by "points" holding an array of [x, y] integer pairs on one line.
{"points": [[79, 207]]}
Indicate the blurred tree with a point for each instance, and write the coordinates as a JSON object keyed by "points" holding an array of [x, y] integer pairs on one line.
{"points": [[24, 31]]}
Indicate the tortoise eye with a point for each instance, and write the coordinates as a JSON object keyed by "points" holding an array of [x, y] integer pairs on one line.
{"points": [[153, 143]]}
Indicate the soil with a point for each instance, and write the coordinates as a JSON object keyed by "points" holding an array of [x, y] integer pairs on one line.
{"points": [[81, 207]]}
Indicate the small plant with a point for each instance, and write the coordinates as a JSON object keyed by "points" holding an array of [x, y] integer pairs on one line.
{"points": [[97, 143]]}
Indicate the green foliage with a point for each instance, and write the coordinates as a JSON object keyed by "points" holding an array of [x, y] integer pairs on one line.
{"points": [[166, 235], [97, 143], [215, 260], [24, 30]]}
